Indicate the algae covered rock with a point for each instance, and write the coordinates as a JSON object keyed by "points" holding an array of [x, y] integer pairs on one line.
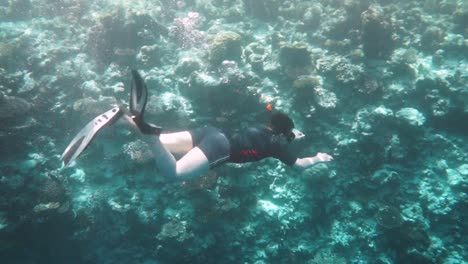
{"points": [[389, 217], [295, 59], [376, 34], [306, 82], [225, 45], [432, 38], [295, 54]]}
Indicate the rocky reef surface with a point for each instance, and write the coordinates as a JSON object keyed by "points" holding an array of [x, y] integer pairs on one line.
{"points": [[380, 85]]}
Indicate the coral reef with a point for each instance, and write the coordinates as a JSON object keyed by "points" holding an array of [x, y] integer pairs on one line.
{"points": [[380, 85], [225, 46]]}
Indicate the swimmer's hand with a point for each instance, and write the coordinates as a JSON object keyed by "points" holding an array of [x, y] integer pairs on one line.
{"points": [[323, 157], [305, 163]]}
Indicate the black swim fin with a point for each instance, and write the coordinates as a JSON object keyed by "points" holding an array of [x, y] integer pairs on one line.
{"points": [[138, 99], [82, 140]]}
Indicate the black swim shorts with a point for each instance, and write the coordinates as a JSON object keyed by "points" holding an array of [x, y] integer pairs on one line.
{"points": [[213, 143]]}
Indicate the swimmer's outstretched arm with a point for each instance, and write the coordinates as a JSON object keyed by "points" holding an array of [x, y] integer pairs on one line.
{"points": [[305, 163]]}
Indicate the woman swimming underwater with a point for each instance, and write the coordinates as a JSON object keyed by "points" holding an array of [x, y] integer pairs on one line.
{"points": [[201, 148]]}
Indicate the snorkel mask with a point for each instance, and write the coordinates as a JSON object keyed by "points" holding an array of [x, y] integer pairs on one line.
{"points": [[295, 135]]}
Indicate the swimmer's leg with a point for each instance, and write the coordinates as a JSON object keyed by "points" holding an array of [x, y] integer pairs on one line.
{"points": [[179, 143], [193, 164], [190, 166]]}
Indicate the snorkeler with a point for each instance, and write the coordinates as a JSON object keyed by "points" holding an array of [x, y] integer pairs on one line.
{"points": [[202, 148]]}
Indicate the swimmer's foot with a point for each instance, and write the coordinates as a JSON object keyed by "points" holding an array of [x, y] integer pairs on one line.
{"points": [[82, 140], [138, 98]]}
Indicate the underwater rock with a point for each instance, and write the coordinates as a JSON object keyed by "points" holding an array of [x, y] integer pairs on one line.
{"points": [[225, 46], [226, 89], [294, 55], [312, 16], [185, 30], [377, 33], [460, 17], [256, 62], [438, 57], [463, 170], [91, 88], [12, 106], [432, 38], [176, 230], [254, 48], [376, 123], [266, 10], [348, 73], [411, 117], [94, 107], [335, 27], [203, 81], [149, 55], [138, 151], [295, 59], [139, 29], [458, 177], [436, 196], [402, 61], [389, 217], [325, 98], [455, 44], [306, 82], [326, 256], [396, 149], [255, 54], [354, 8], [14, 114], [170, 106], [414, 213], [455, 178], [187, 66], [52, 190], [410, 239]]}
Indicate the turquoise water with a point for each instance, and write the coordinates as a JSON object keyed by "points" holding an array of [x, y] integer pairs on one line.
{"points": [[380, 85]]}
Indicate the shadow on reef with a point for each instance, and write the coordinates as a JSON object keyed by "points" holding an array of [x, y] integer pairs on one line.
{"points": [[50, 241], [451, 123]]}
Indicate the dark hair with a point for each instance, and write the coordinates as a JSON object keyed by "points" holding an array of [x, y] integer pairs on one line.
{"points": [[281, 123]]}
